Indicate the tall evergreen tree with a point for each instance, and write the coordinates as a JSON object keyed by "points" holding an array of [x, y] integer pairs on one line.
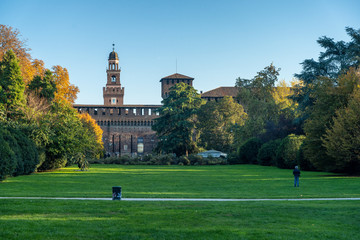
{"points": [[44, 87], [176, 125], [336, 59], [12, 85]]}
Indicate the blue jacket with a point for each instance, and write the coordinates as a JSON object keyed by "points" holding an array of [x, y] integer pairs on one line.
{"points": [[296, 172]]}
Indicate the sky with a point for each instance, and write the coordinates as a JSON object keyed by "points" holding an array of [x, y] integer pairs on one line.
{"points": [[214, 42]]}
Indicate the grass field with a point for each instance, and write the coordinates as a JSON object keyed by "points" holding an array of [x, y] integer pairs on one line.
{"points": [[60, 219]]}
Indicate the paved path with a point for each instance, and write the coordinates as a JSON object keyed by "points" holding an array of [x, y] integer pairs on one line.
{"points": [[187, 199]]}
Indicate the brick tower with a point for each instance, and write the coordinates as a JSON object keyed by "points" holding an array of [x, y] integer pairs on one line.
{"points": [[169, 81], [113, 92]]}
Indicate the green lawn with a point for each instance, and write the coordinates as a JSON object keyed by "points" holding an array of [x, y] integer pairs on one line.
{"points": [[232, 181], [83, 219]]}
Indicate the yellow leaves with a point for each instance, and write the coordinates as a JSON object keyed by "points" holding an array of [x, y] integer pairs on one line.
{"points": [[281, 94], [90, 123], [64, 90]]}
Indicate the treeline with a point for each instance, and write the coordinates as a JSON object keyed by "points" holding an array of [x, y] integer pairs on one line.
{"points": [[314, 123], [39, 129]]}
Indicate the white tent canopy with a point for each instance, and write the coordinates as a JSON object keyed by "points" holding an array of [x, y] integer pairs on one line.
{"points": [[213, 153]]}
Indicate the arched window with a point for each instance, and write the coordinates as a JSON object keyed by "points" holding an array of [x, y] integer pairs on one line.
{"points": [[113, 79]]}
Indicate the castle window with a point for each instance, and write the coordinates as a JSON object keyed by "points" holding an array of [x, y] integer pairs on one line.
{"points": [[95, 111], [149, 111], [111, 111], [172, 81], [126, 111], [167, 82], [113, 79], [134, 111], [142, 111]]}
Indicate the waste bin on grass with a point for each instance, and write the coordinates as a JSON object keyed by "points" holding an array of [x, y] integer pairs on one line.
{"points": [[116, 193]]}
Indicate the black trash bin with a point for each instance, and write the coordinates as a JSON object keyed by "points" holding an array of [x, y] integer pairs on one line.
{"points": [[116, 193]]}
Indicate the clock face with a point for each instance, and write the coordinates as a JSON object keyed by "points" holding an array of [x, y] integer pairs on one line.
{"points": [[113, 100]]}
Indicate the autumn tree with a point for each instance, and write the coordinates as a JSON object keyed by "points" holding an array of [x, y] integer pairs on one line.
{"points": [[175, 127], [217, 122], [65, 91], [94, 133]]}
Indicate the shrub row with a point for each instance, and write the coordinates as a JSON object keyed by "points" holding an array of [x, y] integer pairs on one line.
{"points": [[18, 154], [283, 153], [167, 159]]}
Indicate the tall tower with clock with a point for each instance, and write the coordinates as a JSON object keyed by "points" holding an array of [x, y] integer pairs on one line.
{"points": [[113, 92]]}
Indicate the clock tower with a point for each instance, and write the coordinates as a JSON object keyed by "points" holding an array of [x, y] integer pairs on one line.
{"points": [[113, 92]]}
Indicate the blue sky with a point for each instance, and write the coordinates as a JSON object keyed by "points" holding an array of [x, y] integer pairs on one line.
{"points": [[213, 41]]}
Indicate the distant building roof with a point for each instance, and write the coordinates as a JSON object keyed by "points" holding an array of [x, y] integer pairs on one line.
{"points": [[177, 76], [221, 92]]}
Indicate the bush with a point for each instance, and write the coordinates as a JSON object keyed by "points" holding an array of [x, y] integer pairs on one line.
{"points": [[10, 139], [8, 160], [196, 159], [286, 155], [183, 160], [304, 163], [28, 153], [267, 153], [215, 161], [249, 150], [233, 158], [18, 154], [166, 159]]}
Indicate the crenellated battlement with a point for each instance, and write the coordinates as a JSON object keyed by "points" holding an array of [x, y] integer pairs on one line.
{"points": [[111, 90]]}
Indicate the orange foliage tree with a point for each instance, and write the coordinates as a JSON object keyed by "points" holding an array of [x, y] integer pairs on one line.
{"points": [[10, 39], [64, 90]]}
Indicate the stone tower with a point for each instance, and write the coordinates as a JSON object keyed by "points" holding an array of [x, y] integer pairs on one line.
{"points": [[113, 92]]}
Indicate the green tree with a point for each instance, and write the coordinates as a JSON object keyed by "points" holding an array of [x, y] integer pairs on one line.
{"points": [[330, 95], [256, 95], [11, 85], [175, 127], [336, 59], [287, 151], [249, 150], [65, 137], [267, 153], [342, 139], [44, 87], [217, 122]]}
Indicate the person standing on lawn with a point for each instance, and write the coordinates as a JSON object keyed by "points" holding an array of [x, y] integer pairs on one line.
{"points": [[296, 173]]}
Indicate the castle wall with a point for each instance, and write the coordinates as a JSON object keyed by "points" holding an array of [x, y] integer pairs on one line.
{"points": [[126, 129]]}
